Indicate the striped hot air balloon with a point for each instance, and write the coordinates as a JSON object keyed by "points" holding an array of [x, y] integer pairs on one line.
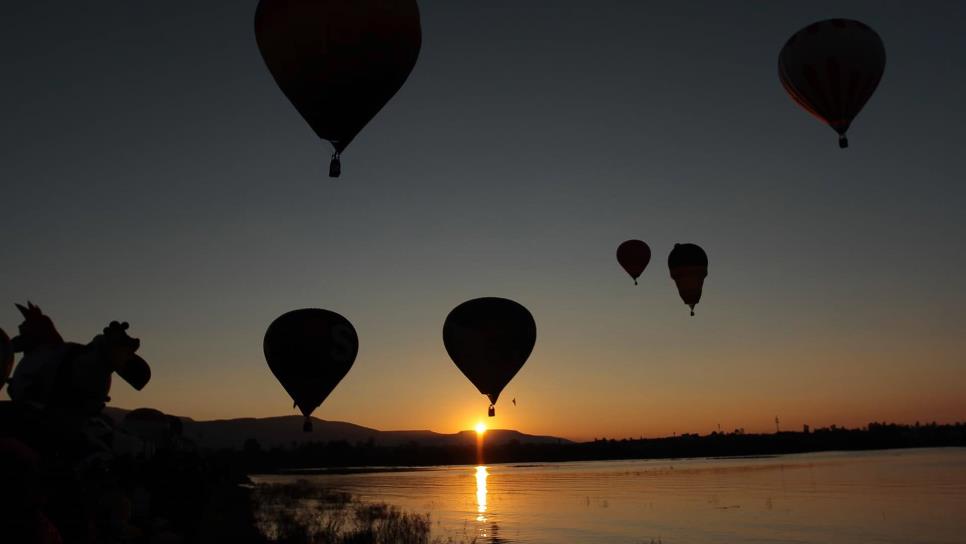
{"points": [[831, 68]]}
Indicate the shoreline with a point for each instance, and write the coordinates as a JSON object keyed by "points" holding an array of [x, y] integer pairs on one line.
{"points": [[339, 470]]}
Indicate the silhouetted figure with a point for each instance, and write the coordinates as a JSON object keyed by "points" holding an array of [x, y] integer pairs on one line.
{"points": [[71, 379], [57, 392], [6, 358]]}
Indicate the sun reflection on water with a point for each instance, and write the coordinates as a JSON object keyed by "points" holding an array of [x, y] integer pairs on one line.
{"points": [[481, 475]]}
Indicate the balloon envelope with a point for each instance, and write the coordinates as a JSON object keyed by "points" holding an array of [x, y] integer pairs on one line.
{"points": [[688, 264], [310, 351], [633, 256], [6, 357], [338, 61], [489, 339], [831, 68]]}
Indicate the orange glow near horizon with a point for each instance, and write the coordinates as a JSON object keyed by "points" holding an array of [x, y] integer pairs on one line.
{"points": [[480, 432], [681, 389], [623, 413]]}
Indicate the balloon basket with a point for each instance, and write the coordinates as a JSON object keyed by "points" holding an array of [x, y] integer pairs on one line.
{"points": [[335, 167], [492, 411]]}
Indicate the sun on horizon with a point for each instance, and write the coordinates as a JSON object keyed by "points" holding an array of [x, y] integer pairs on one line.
{"points": [[480, 428]]}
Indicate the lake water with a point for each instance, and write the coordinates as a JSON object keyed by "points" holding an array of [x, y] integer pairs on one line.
{"points": [[895, 496]]}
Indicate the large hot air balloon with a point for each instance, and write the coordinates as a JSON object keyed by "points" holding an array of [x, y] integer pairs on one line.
{"points": [[634, 255], [831, 68], [688, 264], [338, 61], [310, 351], [489, 339], [6, 357]]}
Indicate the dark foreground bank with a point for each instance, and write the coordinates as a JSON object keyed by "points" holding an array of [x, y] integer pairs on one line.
{"points": [[139, 480]]}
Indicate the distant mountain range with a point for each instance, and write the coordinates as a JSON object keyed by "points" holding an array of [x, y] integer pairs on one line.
{"points": [[286, 430]]}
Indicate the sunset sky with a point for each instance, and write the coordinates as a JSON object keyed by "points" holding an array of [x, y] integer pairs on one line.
{"points": [[153, 172]]}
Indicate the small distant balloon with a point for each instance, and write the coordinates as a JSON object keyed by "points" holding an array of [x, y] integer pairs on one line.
{"points": [[310, 351], [831, 68], [489, 340], [688, 264], [633, 256], [6, 357], [338, 61]]}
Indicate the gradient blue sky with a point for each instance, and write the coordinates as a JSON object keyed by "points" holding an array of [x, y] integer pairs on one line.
{"points": [[152, 172]]}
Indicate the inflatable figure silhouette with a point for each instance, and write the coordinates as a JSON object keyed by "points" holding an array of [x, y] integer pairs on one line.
{"points": [[69, 377], [6, 358]]}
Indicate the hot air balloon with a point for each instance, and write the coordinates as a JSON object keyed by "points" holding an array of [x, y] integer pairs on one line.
{"points": [[310, 351], [688, 264], [6, 357], [831, 68], [489, 339], [634, 255], [338, 61]]}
